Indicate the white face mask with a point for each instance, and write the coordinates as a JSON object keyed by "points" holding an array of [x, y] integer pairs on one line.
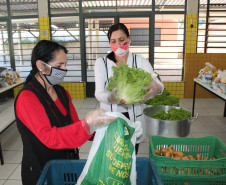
{"points": [[56, 75], [120, 50]]}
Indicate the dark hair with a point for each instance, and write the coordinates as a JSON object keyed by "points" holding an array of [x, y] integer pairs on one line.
{"points": [[118, 26], [115, 27], [45, 50]]}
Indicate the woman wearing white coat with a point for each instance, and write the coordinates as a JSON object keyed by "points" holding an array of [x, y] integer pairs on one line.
{"points": [[120, 40]]}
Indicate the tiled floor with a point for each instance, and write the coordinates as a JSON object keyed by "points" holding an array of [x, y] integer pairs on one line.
{"points": [[210, 122]]}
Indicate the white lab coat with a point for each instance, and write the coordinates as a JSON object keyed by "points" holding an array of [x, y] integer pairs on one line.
{"points": [[101, 93]]}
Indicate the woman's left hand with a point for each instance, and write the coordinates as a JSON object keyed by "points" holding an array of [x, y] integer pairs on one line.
{"points": [[153, 90]]}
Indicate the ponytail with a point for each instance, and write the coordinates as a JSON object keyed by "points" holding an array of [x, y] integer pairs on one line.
{"points": [[111, 56], [31, 75]]}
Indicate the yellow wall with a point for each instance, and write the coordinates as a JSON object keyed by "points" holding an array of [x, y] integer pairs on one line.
{"points": [[175, 88], [77, 90], [191, 33]]}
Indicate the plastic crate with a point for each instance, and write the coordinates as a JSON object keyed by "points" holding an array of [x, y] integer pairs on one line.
{"points": [[210, 146], [200, 180], [58, 172]]}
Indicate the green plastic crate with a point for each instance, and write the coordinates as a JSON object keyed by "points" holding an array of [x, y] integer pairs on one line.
{"points": [[210, 146], [180, 180]]}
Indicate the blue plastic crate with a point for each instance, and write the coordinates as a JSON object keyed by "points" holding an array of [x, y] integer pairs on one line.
{"points": [[66, 172]]}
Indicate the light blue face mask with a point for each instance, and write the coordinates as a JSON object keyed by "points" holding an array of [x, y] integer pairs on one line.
{"points": [[56, 75]]}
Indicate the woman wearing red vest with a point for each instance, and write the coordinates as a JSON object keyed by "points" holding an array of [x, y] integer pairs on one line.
{"points": [[46, 118]]}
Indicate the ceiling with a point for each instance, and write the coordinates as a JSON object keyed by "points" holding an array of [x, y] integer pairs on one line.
{"points": [[30, 7], [27, 7]]}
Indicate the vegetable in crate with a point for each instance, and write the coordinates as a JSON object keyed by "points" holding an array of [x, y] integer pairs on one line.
{"points": [[163, 99], [173, 114], [129, 83], [170, 152]]}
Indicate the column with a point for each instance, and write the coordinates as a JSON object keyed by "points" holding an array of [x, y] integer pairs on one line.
{"points": [[43, 14], [191, 26], [190, 45]]}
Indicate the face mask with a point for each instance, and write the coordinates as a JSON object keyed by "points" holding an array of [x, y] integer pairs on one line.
{"points": [[120, 50], [56, 75]]}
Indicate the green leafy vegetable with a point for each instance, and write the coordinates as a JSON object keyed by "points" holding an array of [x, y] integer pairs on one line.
{"points": [[130, 83], [163, 99], [173, 114]]}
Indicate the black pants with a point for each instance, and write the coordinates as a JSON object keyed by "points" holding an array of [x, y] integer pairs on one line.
{"points": [[126, 114]]}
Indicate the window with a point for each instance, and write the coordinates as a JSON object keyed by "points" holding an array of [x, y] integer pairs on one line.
{"points": [[140, 36], [97, 44], [212, 27], [169, 44], [66, 31], [4, 46], [25, 36]]}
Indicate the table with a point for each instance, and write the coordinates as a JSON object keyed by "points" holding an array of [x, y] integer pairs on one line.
{"points": [[210, 89], [6, 88], [7, 122]]}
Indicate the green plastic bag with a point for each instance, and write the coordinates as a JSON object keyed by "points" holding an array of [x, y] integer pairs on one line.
{"points": [[112, 159]]}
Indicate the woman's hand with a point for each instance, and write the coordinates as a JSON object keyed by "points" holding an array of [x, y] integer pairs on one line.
{"points": [[97, 119], [153, 90], [111, 98]]}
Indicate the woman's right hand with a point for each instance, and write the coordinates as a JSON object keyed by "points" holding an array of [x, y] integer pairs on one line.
{"points": [[97, 119], [111, 97]]}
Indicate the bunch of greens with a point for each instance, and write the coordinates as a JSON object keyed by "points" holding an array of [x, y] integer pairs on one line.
{"points": [[163, 99], [129, 83], [172, 114]]}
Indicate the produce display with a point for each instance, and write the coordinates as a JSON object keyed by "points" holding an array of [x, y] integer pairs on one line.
{"points": [[130, 83], [170, 152], [8, 77], [172, 114], [163, 99], [213, 77], [207, 73]]}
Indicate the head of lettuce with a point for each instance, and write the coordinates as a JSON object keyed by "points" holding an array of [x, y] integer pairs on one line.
{"points": [[130, 83]]}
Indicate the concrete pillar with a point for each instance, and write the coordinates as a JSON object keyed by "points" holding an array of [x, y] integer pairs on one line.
{"points": [[43, 14], [191, 26], [191, 29]]}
